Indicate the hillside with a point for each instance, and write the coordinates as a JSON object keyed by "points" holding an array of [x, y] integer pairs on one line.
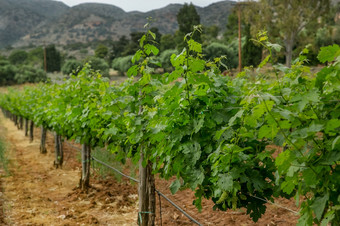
{"points": [[32, 22], [20, 17]]}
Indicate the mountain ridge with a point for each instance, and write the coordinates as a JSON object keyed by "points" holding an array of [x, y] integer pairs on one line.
{"points": [[32, 22]]}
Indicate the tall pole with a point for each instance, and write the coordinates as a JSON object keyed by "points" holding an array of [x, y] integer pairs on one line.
{"points": [[239, 39]]}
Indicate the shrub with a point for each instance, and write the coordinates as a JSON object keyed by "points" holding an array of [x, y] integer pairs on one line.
{"points": [[71, 67], [165, 56], [122, 64], [18, 57], [7, 73], [99, 65], [30, 74], [216, 49]]}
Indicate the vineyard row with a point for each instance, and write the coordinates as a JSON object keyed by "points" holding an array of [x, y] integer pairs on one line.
{"points": [[220, 137]]}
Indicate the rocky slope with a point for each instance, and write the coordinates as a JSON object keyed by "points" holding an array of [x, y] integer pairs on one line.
{"points": [[33, 22]]}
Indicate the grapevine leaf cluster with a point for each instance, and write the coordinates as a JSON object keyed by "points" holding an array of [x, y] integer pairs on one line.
{"points": [[211, 132]]}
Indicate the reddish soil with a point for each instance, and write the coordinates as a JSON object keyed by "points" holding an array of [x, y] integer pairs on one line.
{"points": [[38, 194]]}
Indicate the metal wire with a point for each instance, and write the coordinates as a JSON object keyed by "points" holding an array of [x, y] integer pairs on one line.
{"points": [[114, 169], [171, 202], [177, 207], [159, 193], [275, 204]]}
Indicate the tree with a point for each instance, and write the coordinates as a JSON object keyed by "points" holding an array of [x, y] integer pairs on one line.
{"points": [[251, 53], [286, 19], [36, 57], [157, 41], [167, 42], [71, 66], [118, 47], [101, 51], [210, 32], [231, 27], [133, 44], [30, 74], [187, 18], [53, 59], [7, 73], [18, 57], [100, 65], [122, 64], [216, 49]]}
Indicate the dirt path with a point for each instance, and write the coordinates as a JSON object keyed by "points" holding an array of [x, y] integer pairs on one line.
{"points": [[38, 194]]}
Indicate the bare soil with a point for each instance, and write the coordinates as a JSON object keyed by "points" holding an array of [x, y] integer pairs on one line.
{"points": [[36, 193]]}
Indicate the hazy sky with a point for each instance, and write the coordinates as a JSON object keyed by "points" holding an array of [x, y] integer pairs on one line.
{"points": [[141, 5]]}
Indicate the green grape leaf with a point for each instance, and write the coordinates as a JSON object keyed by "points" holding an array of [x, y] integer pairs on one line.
{"points": [[335, 141], [329, 53], [225, 182], [287, 187], [198, 124], [133, 71], [332, 124], [329, 216], [318, 205], [264, 62], [276, 47], [195, 46], [174, 187]]}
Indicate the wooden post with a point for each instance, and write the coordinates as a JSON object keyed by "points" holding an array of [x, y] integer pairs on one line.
{"points": [[152, 194], [21, 123], [59, 152], [239, 39], [26, 127], [31, 131], [15, 119], [43, 140], [86, 163], [146, 193]]}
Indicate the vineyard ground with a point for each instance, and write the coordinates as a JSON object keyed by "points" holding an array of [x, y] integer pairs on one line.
{"points": [[36, 193]]}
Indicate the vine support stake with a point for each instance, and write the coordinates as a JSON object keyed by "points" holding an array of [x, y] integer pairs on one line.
{"points": [[146, 190], [43, 140], [59, 153], [86, 164], [26, 127], [31, 131]]}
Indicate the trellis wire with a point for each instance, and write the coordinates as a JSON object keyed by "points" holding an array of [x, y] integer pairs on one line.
{"points": [[158, 192], [172, 203]]}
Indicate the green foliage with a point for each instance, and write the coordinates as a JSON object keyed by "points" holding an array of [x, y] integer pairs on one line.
{"points": [[101, 51], [251, 53], [231, 31], [53, 59], [7, 73], [118, 47], [210, 131], [3, 158], [165, 57], [122, 64], [132, 45], [167, 42], [292, 19], [329, 53], [187, 18], [215, 50], [36, 57], [18, 57], [71, 67], [99, 65], [28, 74]]}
